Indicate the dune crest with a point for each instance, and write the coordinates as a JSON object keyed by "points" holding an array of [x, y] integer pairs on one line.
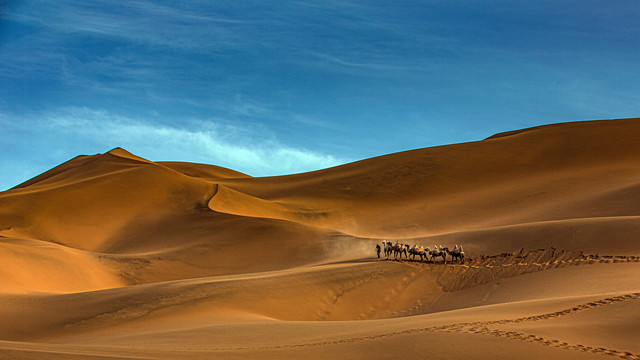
{"points": [[230, 201], [204, 171], [120, 152]]}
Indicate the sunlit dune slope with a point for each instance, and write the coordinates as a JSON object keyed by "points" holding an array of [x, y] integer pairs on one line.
{"points": [[33, 266], [566, 176]]}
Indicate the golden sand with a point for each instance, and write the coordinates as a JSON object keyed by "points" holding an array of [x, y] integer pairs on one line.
{"points": [[114, 256]]}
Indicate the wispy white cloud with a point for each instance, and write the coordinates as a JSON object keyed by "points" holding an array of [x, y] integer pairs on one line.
{"points": [[255, 150], [368, 65], [134, 21]]}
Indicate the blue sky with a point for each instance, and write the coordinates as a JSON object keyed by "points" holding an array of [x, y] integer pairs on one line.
{"points": [[279, 87]]}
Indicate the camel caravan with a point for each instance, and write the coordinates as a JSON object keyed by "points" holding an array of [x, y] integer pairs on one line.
{"points": [[398, 249]]}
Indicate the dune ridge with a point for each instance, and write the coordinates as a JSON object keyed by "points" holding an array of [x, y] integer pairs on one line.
{"points": [[115, 256]]}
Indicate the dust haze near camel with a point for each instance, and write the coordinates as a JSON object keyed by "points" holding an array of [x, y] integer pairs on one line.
{"points": [[114, 256]]}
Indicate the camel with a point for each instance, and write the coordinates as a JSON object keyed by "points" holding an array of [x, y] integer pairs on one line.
{"points": [[399, 249], [388, 248], [405, 250], [415, 250], [456, 253], [438, 252]]}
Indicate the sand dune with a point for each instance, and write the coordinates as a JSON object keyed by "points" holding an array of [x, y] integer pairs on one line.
{"points": [[115, 256]]}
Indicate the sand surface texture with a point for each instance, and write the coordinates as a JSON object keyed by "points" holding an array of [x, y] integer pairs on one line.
{"points": [[112, 256]]}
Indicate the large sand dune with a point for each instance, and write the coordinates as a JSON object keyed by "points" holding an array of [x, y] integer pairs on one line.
{"points": [[114, 256]]}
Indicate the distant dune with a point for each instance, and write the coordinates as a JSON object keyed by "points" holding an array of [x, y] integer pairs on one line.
{"points": [[115, 256]]}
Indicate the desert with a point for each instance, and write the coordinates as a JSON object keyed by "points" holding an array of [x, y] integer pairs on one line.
{"points": [[113, 256]]}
